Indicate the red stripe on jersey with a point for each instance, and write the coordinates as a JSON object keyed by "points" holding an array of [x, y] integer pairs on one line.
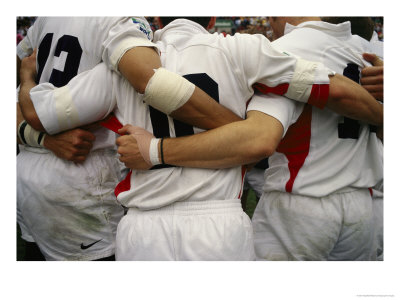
{"points": [[296, 145], [319, 95], [371, 192], [124, 185], [280, 89], [112, 123]]}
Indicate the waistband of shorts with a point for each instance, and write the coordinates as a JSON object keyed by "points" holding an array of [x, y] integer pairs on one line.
{"points": [[341, 191], [194, 208]]}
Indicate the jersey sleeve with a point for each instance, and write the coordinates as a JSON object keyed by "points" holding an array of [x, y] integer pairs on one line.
{"points": [[87, 98], [268, 70], [125, 34], [283, 109]]}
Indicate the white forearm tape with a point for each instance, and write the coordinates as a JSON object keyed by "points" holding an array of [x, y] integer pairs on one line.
{"points": [[167, 91], [153, 152], [302, 81], [23, 49], [30, 136]]}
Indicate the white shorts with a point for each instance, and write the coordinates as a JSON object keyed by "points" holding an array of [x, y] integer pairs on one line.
{"points": [[378, 218], [70, 209], [25, 233], [292, 227], [209, 230]]}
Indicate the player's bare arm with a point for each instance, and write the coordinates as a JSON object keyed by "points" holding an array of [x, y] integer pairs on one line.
{"points": [[27, 77], [237, 143], [372, 77], [351, 100], [137, 66], [187, 103]]}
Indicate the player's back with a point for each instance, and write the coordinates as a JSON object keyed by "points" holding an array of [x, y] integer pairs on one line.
{"points": [[336, 153], [66, 47], [68, 205], [196, 55]]}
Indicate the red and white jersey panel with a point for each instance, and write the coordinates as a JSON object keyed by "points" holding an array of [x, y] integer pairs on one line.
{"points": [[322, 152]]}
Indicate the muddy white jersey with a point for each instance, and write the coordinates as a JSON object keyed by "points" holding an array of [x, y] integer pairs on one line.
{"points": [[322, 152], [65, 51], [81, 43], [225, 68]]}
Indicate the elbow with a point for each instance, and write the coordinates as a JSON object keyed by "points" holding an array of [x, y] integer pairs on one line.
{"points": [[261, 151], [268, 150], [141, 85]]}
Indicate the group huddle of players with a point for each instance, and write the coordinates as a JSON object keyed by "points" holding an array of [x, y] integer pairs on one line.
{"points": [[134, 144]]}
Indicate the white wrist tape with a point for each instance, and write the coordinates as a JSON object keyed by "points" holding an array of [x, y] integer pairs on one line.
{"points": [[167, 91], [30, 136], [153, 152]]}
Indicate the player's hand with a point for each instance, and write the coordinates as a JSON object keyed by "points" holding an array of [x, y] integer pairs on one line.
{"points": [[28, 68], [133, 147], [372, 77], [73, 145]]}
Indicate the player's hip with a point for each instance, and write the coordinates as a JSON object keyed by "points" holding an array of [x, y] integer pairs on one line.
{"points": [[212, 230]]}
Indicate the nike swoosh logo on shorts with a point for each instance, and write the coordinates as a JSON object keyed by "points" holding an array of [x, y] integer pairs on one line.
{"points": [[84, 247]]}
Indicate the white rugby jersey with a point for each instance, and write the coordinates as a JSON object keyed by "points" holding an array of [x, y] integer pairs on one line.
{"points": [[79, 45], [225, 68], [322, 152], [376, 45]]}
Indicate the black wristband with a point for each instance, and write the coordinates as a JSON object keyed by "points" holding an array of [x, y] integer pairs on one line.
{"points": [[22, 131], [161, 151]]}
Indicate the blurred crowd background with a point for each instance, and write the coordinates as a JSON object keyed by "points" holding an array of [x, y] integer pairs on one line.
{"points": [[252, 25], [225, 25]]}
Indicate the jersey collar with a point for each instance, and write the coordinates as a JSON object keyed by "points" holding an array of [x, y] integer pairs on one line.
{"points": [[181, 26], [341, 31]]}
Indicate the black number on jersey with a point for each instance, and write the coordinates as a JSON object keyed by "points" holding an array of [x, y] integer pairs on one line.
{"points": [[350, 129], [70, 45], [159, 120]]}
